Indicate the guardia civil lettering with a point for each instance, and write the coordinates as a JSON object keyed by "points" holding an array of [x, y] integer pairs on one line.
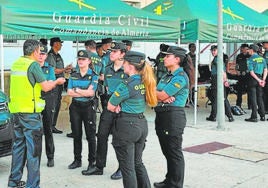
{"points": [[98, 19]]}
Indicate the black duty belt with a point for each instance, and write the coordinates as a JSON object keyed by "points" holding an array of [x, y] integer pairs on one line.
{"points": [[124, 114], [167, 108]]}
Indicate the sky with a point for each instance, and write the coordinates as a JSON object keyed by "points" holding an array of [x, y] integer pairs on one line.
{"points": [[258, 5]]}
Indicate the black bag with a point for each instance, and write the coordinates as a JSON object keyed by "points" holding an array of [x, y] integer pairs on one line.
{"points": [[237, 111]]}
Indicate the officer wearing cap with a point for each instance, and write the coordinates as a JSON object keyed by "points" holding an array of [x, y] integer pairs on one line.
{"points": [[172, 93], [213, 113], [56, 61], [242, 72], [159, 62], [257, 68], [81, 87], [265, 93], [128, 43], [129, 102], [113, 76], [105, 50], [47, 113]]}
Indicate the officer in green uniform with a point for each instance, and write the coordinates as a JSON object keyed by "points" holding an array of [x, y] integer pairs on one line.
{"points": [[26, 82], [243, 75], [56, 61], [131, 129], [159, 62], [213, 113], [82, 86], [113, 76], [172, 93], [47, 113], [257, 68], [265, 91]]}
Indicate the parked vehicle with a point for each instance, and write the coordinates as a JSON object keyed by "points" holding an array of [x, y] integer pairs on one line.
{"points": [[6, 126]]}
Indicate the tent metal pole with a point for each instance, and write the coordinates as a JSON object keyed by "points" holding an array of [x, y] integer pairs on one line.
{"points": [[2, 62], [197, 60], [220, 89]]}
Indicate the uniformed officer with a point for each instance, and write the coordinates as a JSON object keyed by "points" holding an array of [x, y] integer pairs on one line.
{"points": [[131, 129], [82, 86], [56, 61], [257, 68], [172, 93], [113, 76], [265, 93], [26, 82], [47, 113], [128, 43], [105, 46], [242, 72], [159, 61], [213, 113]]}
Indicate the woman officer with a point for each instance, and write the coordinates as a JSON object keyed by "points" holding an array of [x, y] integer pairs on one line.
{"points": [[172, 93], [131, 129], [81, 87]]}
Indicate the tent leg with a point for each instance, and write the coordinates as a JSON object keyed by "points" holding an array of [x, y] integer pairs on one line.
{"points": [[197, 59]]}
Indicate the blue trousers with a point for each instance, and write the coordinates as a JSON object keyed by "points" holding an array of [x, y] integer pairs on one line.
{"points": [[27, 146]]}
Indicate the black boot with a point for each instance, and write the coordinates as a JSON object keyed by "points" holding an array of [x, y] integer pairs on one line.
{"points": [[92, 170], [117, 175], [75, 164]]}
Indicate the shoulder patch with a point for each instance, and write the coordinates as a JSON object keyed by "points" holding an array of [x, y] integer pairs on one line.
{"points": [[177, 85], [116, 94]]}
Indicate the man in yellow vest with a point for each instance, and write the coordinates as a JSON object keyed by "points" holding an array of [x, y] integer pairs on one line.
{"points": [[26, 105]]}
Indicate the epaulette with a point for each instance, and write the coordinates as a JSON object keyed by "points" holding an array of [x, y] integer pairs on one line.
{"points": [[126, 81]]}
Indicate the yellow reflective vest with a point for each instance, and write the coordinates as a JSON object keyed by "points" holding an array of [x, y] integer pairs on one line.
{"points": [[24, 98]]}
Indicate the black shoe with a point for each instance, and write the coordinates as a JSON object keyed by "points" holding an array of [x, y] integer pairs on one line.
{"points": [[70, 135], [55, 130], [161, 184], [117, 175], [231, 119], [210, 118], [252, 119], [50, 162], [92, 170], [262, 118], [75, 164], [21, 184]]}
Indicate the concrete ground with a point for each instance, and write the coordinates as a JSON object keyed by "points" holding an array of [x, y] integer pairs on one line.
{"points": [[201, 171]]}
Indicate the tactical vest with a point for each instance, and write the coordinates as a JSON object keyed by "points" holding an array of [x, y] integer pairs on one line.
{"points": [[24, 98]]}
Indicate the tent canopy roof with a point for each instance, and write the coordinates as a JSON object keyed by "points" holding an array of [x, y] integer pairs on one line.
{"points": [[75, 19], [199, 20]]}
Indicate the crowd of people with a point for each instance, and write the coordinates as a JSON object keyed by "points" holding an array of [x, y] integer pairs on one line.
{"points": [[109, 73]]}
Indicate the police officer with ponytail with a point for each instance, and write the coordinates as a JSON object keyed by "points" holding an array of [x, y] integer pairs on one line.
{"points": [[172, 93], [130, 131]]}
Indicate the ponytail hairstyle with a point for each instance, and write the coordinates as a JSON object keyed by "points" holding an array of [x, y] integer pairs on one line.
{"points": [[149, 81]]}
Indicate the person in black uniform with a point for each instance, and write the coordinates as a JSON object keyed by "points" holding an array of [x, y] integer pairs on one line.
{"points": [[257, 68], [131, 129], [113, 76], [56, 61], [265, 90], [47, 113], [243, 75], [170, 121], [159, 62], [82, 86], [213, 113], [128, 44]]}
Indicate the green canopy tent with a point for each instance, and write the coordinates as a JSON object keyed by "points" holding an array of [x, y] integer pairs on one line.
{"points": [[199, 20], [82, 20], [70, 19]]}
